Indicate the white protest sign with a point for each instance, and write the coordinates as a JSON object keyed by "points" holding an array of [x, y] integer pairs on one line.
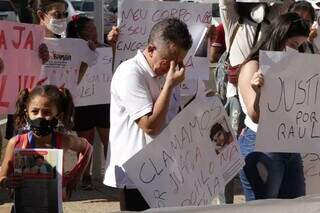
{"points": [[19, 54], [94, 88], [289, 103], [136, 18], [181, 166], [68, 57], [311, 168]]}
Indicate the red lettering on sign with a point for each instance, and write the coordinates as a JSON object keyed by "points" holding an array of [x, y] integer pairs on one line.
{"points": [[2, 89], [29, 41], [3, 40], [20, 29]]}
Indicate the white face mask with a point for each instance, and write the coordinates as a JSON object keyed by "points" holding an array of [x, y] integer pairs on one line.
{"points": [[57, 26], [257, 13]]}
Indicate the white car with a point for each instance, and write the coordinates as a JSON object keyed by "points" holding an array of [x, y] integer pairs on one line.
{"points": [[76, 7], [7, 11]]}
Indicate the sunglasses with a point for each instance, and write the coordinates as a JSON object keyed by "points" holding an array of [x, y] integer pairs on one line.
{"points": [[59, 15]]}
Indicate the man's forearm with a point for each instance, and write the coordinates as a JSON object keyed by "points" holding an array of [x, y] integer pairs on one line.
{"points": [[154, 123]]}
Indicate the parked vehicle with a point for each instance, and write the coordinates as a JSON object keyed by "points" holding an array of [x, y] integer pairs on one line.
{"points": [[83, 7], [8, 11]]}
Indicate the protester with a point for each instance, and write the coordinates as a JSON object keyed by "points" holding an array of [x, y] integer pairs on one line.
{"points": [[41, 110], [243, 23], [138, 104], [268, 175], [52, 15], [305, 10], [87, 118]]}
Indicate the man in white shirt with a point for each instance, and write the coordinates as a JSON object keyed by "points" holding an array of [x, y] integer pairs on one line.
{"points": [[139, 105]]}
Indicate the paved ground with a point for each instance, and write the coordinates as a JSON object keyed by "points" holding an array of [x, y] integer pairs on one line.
{"points": [[101, 199]]}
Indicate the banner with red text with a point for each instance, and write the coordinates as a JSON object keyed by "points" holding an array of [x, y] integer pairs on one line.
{"points": [[19, 45], [190, 161], [136, 18]]}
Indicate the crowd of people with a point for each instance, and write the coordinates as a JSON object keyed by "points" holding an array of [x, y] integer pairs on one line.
{"points": [[142, 90]]}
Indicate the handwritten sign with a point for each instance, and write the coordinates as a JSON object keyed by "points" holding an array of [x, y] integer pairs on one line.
{"points": [[311, 168], [19, 47], [94, 88], [190, 161], [136, 18], [289, 104]]}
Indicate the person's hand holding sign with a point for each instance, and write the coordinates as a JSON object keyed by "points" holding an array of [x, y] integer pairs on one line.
{"points": [[257, 81]]}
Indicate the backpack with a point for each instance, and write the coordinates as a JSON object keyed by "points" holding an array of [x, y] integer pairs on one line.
{"points": [[222, 77], [224, 73], [221, 74]]}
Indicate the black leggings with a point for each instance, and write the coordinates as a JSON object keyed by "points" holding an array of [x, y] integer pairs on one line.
{"points": [[132, 200]]}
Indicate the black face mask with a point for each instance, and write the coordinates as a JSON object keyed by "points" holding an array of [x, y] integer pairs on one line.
{"points": [[41, 126]]}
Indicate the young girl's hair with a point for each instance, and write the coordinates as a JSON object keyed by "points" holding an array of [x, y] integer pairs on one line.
{"points": [[76, 26], [60, 97], [43, 5]]}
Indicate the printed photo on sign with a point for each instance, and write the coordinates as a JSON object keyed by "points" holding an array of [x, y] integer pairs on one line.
{"points": [[181, 166], [34, 165], [41, 190], [220, 135]]}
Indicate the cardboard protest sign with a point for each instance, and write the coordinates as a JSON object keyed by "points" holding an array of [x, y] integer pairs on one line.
{"points": [[136, 18], [19, 49], [68, 58], [289, 103], [190, 161], [311, 168], [94, 88], [41, 190]]}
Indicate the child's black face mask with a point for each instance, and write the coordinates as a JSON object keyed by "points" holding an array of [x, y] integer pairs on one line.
{"points": [[41, 126]]}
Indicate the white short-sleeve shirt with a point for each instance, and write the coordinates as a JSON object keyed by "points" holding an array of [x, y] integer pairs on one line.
{"points": [[134, 90]]}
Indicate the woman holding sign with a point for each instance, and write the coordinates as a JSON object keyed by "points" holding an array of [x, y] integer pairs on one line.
{"points": [[68, 57], [87, 118], [268, 175]]}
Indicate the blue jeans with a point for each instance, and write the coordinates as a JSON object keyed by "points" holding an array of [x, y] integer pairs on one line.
{"points": [[269, 175], [235, 113]]}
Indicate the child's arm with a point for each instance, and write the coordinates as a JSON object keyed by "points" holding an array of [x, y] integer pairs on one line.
{"points": [[7, 181], [81, 146]]}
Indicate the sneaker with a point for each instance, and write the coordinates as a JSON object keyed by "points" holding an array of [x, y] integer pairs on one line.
{"points": [[86, 183]]}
